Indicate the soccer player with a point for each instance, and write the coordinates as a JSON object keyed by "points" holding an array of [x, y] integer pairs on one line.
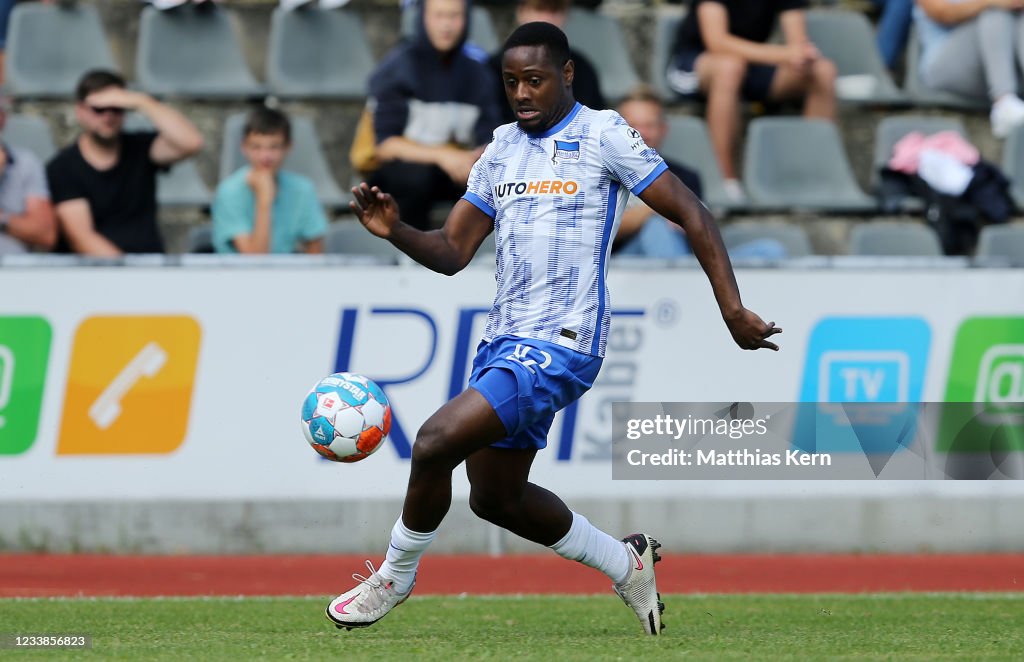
{"points": [[552, 186]]}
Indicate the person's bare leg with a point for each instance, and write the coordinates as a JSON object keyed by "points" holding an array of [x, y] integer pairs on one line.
{"points": [[721, 77]]}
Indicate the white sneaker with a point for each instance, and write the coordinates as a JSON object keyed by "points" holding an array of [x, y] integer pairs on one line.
{"points": [[367, 603], [638, 590], [733, 190], [1007, 113]]}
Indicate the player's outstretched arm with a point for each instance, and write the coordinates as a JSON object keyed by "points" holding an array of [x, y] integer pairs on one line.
{"points": [[672, 199], [446, 251]]}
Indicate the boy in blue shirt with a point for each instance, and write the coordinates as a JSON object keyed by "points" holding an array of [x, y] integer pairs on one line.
{"points": [[261, 208]]}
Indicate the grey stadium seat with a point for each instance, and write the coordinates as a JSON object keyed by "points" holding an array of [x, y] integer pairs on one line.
{"points": [[894, 238], [893, 128], [200, 239], [1013, 164], [181, 186], [792, 162], [688, 143], [661, 51], [306, 51], [30, 132], [924, 96], [1002, 241], [603, 41], [50, 46], [306, 157], [847, 38], [792, 237], [351, 238], [481, 28], [192, 51]]}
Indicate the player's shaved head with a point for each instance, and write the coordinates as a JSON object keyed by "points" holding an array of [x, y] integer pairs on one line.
{"points": [[550, 37]]}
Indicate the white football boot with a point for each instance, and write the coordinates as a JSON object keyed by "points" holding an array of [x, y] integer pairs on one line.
{"points": [[638, 590], [367, 603]]}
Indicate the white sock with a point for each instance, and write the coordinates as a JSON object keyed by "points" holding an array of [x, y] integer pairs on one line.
{"points": [[403, 557], [593, 547]]}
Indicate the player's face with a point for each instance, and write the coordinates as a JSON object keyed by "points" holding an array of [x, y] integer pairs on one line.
{"points": [[444, 21], [265, 150], [540, 94]]}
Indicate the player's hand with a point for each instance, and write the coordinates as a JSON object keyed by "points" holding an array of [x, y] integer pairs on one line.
{"points": [[375, 209], [750, 331]]}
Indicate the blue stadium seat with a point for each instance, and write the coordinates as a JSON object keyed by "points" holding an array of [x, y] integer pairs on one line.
{"points": [[192, 51], [305, 51], [797, 163], [50, 46], [306, 157]]}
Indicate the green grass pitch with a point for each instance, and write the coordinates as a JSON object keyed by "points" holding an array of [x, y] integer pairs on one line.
{"points": [[737, 627]]}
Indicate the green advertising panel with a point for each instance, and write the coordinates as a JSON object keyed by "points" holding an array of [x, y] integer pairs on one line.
{"points": [[24, 350], [987, 369]]}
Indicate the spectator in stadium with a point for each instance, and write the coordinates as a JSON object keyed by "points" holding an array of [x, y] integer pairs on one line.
{"points": [[433, 112], [104, 183], [585, 85], [642, 231], [973, 48], [721, 53], [893, 29], [261, 208], [26, 214]]}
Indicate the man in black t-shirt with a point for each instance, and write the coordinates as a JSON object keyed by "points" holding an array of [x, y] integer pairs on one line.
{"points": [[721, 53], [586, 87], [103, 185]]}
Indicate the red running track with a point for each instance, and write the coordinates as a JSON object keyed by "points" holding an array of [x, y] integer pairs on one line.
{"points": [[33, 575]]}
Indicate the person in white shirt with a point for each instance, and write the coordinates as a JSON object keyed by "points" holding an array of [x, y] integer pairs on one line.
{"points": [[552, 186]]}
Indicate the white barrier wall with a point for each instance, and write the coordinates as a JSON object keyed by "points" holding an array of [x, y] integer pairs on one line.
{"points": [[185, 383]]}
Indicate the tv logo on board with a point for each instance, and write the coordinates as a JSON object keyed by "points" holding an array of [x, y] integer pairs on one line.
{"points": [[853, 361], [864, 376]]}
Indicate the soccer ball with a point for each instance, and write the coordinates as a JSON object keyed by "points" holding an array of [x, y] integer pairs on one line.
{"points": [[346, 417]]}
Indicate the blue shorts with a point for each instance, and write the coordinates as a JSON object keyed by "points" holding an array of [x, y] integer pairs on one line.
{"points": [[527, 381]]}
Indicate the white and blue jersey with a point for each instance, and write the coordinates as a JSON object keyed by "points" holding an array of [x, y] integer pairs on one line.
{"points": [[556, 199]]}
